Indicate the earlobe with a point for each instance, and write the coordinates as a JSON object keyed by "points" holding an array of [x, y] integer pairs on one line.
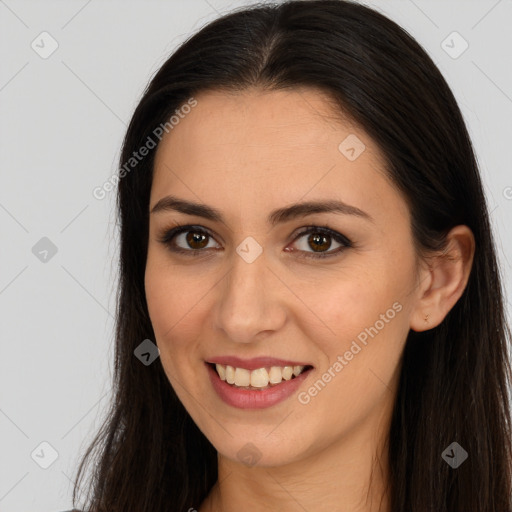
{"points": [[449, 274]]}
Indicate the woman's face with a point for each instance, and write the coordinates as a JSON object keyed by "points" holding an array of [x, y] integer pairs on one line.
{"points": [[254, 285]]}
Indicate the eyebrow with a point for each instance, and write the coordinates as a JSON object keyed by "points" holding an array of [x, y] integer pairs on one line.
{"points": [[280, 215]]}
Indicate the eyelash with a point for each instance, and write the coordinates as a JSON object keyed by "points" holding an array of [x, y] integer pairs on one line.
{"points": [[169, 235]]}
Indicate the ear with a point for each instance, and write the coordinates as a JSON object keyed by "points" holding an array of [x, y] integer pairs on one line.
{"points": [[443, 282]]}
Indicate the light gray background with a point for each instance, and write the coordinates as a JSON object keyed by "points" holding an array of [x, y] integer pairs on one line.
{"points": [[62, 121]]}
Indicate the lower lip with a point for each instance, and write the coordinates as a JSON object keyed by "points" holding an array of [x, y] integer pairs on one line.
{"points": [[255, 399]]}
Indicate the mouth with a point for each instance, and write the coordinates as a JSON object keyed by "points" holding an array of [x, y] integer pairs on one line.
{"points": [[258, 379]]}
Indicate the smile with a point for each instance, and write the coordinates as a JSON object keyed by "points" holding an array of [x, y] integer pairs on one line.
{"points": [[260, 378], [258, 388]]}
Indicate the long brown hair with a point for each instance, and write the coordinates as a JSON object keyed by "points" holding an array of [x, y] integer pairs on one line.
{"points": [[455, 378]]}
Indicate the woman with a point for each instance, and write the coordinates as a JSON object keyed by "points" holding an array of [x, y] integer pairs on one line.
{"points": [[305, 238]]}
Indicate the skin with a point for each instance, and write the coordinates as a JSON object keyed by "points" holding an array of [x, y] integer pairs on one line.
{"points": [[246, 154]]}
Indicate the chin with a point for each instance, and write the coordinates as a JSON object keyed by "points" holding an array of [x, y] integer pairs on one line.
{"points": [[258, 450]]}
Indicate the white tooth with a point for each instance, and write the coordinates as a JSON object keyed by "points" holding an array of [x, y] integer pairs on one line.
{"points": [[297, 370], [287, 372], [230, 374], [259, 378], [275, 375], [221, 371], [242, 377]]}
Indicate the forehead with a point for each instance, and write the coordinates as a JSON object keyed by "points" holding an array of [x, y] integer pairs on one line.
{"points": [[304, 121], [269, 148]]}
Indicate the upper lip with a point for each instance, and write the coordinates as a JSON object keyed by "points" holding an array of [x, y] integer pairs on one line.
{"points": [[254, 363]]}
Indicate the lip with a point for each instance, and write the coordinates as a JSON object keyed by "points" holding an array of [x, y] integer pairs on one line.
{"points": [[255, 362], [255, 399]]}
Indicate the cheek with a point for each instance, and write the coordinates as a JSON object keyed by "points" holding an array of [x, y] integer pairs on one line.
{"points": [[350, 304], [367, 328], [176, 298], [169, 294], [166, 305], [363, 318]]}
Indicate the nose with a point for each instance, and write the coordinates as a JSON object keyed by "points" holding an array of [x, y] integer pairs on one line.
{"points": [[250, 300]]}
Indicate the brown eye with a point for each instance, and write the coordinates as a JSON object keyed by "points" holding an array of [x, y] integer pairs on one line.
{"points": [[188, 240], [193, 241], [320, 240], [196, 239]]}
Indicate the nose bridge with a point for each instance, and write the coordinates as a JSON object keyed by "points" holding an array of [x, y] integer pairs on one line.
{"points": [[247, 306]]}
